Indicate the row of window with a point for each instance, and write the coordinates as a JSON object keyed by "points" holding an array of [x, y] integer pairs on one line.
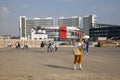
{"points": [[105, 31]]}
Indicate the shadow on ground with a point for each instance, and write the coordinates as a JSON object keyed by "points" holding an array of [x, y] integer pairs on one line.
{"points": [[56, 66]]}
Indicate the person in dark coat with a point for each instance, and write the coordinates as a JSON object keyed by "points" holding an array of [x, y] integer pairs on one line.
{"points": [[25, 45], [87, 46], [42, 46]]}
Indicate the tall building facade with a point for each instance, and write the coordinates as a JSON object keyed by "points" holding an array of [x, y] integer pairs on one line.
{"points": [[88, 22], [72, 21], [26, 24], [72, 27], [22, 27]]}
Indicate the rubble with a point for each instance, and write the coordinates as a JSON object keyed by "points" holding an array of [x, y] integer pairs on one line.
{"points": [[108, 43]]}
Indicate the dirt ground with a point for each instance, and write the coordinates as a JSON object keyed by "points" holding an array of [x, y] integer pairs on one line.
{"points": [[32, 64]]}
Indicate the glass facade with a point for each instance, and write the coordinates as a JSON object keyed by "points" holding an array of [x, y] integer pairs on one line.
{"points": [[88, 22], [49, 24], [23, 26], [69, 21], [34, 23], [105, 30]]}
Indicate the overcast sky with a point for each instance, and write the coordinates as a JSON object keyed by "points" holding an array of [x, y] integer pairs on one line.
{"points": [[107, 11]]}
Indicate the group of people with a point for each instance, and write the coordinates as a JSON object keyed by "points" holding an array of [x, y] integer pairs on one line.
{"points": [[51, 46], [17, 45], [80, 47], [25, 46], [9, 44]]}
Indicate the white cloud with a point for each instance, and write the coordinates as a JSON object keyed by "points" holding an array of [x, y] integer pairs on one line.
{"points": [[4, 10]]}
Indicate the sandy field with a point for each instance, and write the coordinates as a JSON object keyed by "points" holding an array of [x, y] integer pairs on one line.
{"points": [[32, 64]]}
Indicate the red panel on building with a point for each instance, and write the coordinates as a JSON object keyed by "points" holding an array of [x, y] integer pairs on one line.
{"points": [[63, 32], [79, 32]]}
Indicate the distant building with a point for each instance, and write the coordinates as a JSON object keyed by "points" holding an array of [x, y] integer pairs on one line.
{"points": [[38, 33], [88, 22], [71, 21], [5, 36], [52, 31], [68, 32], [22, 27], [26, 24], [104, 30]]}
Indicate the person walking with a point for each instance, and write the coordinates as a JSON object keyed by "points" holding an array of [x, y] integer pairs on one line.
{"points": [[49, 48], [52, 46], [78, 48], [42, 46], [84, 47], [25, 45], [9, 44], [56, 46], [87, 46], [17, 45]]}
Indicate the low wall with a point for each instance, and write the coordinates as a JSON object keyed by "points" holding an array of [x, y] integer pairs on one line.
{"points": [[31, 43]]}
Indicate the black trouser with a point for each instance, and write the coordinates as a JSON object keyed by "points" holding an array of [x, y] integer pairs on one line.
{"points": [[56, 48], [49, 49]]}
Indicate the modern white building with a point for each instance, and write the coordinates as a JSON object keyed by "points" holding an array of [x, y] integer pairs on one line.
{"points": [[88, 22], [26, 24], [69, 21], [38, 34], [71, 32], [22, 28], [28, 28]]}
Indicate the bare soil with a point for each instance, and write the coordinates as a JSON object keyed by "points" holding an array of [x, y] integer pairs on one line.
{"points": [[32, 64]]}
